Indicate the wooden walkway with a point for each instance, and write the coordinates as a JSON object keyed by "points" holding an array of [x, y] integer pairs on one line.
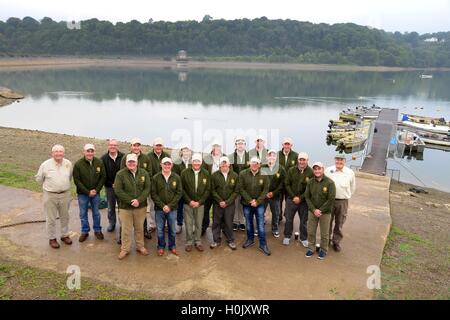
{"points": [[375, 161]]}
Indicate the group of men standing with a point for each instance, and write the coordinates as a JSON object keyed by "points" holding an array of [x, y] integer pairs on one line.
{"points": [[181, 191]]}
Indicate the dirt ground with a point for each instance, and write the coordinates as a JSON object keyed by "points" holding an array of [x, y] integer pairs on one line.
{"points": [[416, 259]]}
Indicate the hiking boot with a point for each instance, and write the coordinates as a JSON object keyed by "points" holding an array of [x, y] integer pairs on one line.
{"points": [[286, 241], [99, 235], [122, 255], [142, 251], [188, 248], [66, 240], [309, 253], [53, 243], [248, 243], [232, 245], [265, 250], [199, 247], [83, 237], [322, 255]]}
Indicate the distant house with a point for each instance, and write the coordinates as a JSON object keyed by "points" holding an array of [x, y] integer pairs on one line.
{"points": [[182, 56], [434, 40]]}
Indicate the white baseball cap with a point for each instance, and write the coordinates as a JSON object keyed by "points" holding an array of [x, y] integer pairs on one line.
{"points": [[239, 139], [272, 151], [255, 159], [216, 143], [224, 159], [197, 157], [303, 155], [135, 141], [318, 164], [286, 140], [88, 146], [185, 146], [132, 157], [158, 140], [166, 159], [260, 137]]}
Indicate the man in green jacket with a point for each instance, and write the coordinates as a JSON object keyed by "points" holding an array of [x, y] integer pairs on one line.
{"points": [[240, 160], [320, 194], [89, 176], [144, 163], [196, 188], [179, 164], [166, 192], [132, 187], [287, 159], [253, 187], [224, 189], [155, 156], [276, 175], [296, 181]]}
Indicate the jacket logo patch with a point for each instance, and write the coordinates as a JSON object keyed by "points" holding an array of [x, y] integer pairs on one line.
{"points": [[232, 181], [143, 178], [261, 181], [307, 179], [278, 174], [325, 189], [204, 181], [98, 169], [293, 161], [145, 165], [174, 183]]}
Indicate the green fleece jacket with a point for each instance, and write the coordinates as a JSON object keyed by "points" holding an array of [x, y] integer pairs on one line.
{"points": [[143, 162], [291, 160], [203, 187], [166, 193], [276, 177], [224, 190], [253, 187], [296, 181], [236, 164], [155, 161], [320, 194], [128, 187], [88, 177]]}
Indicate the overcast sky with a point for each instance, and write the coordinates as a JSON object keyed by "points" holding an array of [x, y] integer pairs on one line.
{"points": [[390, 15]]}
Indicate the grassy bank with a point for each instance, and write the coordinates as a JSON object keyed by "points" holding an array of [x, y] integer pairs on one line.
{"points": [[415, 262]]}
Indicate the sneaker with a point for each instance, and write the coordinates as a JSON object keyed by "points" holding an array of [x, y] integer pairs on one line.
{"points": [[213, 245], [122, 255], [256, 233], [322, 255], [54, 243], [235, 226], [160, 252], [232, 245], [179, 228], [286, 241], [111, 228], [337, 247], [309, 253], [248, 243], [305, 243], [142, 251], [276, 234], [242, 227], [265, 250], [174, 251]]}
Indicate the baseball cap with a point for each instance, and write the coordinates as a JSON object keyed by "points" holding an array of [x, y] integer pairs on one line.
{"points": [[303, 155], [286, 140], [255, 159], [197, 157], [340, 156], [224, 159], [318, 164], [166, 159], [158, 140], [132, 157], [135, 141], [272, 151], [88, 146]]}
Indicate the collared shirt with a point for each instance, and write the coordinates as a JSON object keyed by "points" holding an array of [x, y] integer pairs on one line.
{"points": [[286, 155], [196, 179], [167, 178], [344, 180], [241, 156], [113, 157], [55, 177], [225, 175], [186, 163], [215, 165]]}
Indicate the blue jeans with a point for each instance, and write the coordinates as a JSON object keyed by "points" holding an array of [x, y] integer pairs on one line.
{"points": [[180, 212], [249, 212], [83, 203], [161, 219]]}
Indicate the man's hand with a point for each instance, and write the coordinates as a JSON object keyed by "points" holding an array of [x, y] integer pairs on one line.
{"points": [[253, 203], [135, 203], [166, 209], [194, 204], [92, 193], [222, 204], [296, 200], [270, 195], [317, 213]]}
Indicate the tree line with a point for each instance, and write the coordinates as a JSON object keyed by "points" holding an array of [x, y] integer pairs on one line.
{"points": [[259, 39]]}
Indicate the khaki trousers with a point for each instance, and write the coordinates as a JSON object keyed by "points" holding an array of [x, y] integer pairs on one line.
{"points": [[338, 216], [132, 219], [324, 223], [57, 204], [193, 219]]}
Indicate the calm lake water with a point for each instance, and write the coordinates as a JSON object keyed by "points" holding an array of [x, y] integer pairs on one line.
{"points": [[200, 106]]}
